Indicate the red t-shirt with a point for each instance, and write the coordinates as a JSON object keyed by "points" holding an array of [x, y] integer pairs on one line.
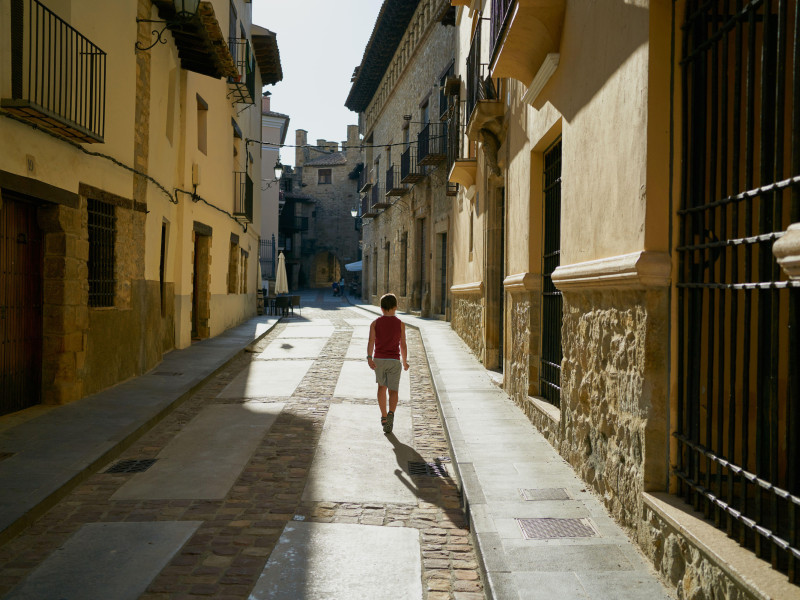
{"points": [[387, 337]]}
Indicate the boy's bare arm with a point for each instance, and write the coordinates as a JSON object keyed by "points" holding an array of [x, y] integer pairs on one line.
{"points": [[371, 345], [403, 346]]}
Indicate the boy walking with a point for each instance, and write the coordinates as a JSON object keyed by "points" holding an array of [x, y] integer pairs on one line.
{"points": [[387, 338]]}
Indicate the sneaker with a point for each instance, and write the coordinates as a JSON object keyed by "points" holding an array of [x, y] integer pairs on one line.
{"points": [[389, 422]]}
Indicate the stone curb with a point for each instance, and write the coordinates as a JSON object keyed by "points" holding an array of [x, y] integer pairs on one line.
{"points": [[122, 439]]}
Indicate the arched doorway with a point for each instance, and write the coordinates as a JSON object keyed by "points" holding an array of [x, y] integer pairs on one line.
{"points": [[326, 269]]}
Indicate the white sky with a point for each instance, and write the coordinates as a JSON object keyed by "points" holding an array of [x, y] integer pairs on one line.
{"points": [[320, 43]]}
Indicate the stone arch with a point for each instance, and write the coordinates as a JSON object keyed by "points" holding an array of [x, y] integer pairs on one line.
{"points": [[326, 269]]}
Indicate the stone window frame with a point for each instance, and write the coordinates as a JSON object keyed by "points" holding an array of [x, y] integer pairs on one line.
{"points": [[324, 176], [233, 265]]}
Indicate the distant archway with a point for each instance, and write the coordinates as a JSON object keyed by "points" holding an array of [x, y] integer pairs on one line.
{"points": [[326, 269]]}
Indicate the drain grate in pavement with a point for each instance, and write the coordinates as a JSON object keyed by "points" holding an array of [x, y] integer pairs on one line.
{"points": [[132, 466], [427, 469], [545, 494], [167, 373], [542, 529]]}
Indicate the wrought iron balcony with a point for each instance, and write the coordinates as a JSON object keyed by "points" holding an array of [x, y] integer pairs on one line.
{"points": [[432, 144], [379, 199], [243, 85], [394, 186], [365, 180], [410, 171], [243, 197], [292, 224], [58, 77], [500, 12], [367, 210]]}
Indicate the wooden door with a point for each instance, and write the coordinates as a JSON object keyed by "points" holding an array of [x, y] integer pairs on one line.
{"points": [[20, 305]]}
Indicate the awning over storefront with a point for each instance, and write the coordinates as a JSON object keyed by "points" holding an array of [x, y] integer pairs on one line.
{"points": [[353, 266]]}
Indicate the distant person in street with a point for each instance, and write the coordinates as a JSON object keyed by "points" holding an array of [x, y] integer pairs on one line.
{"points": [[335, 286], [341, 286], [387, 338]]}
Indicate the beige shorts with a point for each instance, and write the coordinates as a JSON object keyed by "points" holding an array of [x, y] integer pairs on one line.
{"points": [[387, 372]]}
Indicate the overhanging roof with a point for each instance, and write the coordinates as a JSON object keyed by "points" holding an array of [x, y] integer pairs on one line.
{"points": [[268, 58], [390, 26]]}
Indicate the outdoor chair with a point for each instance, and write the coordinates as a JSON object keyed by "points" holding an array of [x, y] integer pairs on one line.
{"points": [[296, 302], [282, 305]]}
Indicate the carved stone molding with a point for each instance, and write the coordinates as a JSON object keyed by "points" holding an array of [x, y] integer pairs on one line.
{"points": [[475, 287], [787, 251], [637, 270], [523, 282]]}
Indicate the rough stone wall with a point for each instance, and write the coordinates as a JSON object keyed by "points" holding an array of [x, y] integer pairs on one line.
{"points": [[614, 342], [519, 361], [682, 564], [65, 307], [410, 81], [467, 321]]}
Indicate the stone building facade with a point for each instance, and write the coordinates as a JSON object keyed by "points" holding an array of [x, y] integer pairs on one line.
{"points": [[406, 202], [142, 225], [600, 244]]}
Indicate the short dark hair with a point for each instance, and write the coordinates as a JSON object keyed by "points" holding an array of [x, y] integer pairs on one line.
{"points": [[388, 301]]}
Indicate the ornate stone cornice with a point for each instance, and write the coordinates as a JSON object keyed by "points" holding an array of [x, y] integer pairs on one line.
{"points": [[476, 287], [523, 282], [637, 270], [787, 251]]}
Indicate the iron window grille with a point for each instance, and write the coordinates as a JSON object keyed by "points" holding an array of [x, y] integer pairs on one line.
{"points": [[266, 255], [738, 398], [102, 237], [58, 77], [552, 302]]}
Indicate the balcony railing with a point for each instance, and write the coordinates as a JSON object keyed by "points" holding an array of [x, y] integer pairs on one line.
{"points": [[432, 144], [243, 197], [367, 210], [394, 186], [293, 224], [500, 12], [473, 71], [379, 199], [242, 86], [58, 77], [365, 180], [410, 171]]}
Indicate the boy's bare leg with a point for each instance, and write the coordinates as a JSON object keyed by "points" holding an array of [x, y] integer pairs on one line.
{"points": [[393, 394], [382, 399]]}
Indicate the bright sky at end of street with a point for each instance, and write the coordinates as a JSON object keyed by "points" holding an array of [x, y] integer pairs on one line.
{"points": [[320, 43]]}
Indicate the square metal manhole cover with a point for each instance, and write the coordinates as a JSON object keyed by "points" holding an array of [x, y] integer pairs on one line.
{"points": [[132, 466], [544, 528], [427, 469], [545, 494]]}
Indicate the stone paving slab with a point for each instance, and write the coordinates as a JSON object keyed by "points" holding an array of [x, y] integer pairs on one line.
{"points": [[497, 451], [293, 347], [308, 330], [274, 378], [325, 561], [357, 350], [357, 462], [204, 460], [52, 451], [357, 380], [106, 560]]}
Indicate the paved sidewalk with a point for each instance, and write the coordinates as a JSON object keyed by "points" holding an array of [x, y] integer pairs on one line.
{"points": [[499, 456], [47, 451]]}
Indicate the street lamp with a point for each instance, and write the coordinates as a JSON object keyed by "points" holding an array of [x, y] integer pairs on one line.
{"points": [[185, 11], [278, 169], [354, 211]]}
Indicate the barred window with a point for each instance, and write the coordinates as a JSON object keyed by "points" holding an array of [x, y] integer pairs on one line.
{"points": [[102, 236]]}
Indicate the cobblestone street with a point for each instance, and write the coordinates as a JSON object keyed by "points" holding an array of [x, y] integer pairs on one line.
{"points": [[227, 552]]}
